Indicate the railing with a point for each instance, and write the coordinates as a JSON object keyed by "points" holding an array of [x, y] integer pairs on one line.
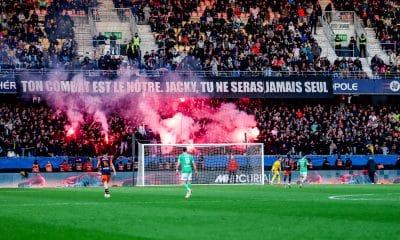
{"points": [[107, 15], [193, 74], [340, 17], [133, 24], [330, 35], [92, 23], [189, 75], [345, 51], [390, 48]]}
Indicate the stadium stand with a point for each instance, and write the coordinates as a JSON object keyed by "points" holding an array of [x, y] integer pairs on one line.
{"points": [[259, 38], [35, 129], [273, 38], [383, 18]]}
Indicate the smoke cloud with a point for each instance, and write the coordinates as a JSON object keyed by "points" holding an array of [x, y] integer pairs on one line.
{"points": [[176, 120]]}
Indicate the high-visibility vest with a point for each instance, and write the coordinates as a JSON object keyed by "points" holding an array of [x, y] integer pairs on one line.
{"points": [[363, 41], [136, 41], [338, 41]]}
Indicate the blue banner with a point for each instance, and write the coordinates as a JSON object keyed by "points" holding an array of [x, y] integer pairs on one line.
{"points": [[209, 161], [217, 87], [8, 84], [366, 86]]}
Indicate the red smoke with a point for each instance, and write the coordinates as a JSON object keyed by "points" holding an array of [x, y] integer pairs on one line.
{"points": [[177, 120]]}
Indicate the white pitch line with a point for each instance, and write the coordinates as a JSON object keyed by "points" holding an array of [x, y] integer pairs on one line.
{"points": [[350, 197], [360, 197]]}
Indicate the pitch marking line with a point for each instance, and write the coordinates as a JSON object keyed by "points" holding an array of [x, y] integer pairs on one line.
{"points": [[351, 197], [363, 197]]}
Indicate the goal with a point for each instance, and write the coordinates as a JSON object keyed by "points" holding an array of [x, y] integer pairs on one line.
{"points": [[156, 163]]}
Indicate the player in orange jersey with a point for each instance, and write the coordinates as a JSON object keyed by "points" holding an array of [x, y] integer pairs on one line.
{"points": [[105, 163]]}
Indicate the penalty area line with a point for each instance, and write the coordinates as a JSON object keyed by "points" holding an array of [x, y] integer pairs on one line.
{"points": [[351, 197], [365, 197]]}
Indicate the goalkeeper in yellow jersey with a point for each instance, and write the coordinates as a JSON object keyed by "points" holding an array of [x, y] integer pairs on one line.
{"points": [[276, 169]]}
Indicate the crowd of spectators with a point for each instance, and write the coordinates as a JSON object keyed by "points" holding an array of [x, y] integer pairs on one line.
{"points": [[312, 128], [36, 130], [216, 36], [384, 17], [221, 36], [328, 128], [38, 34]]}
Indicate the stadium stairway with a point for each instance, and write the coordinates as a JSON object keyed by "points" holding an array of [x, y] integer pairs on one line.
{"points": [[374, 47], [148, 42], [83, 35], [324, 3], [366, 67], [323, 42], [106, 4], [329, 52], [109, 21]]}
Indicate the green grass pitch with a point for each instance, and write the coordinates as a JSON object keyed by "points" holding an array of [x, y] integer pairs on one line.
{"points": [[214, 212]]}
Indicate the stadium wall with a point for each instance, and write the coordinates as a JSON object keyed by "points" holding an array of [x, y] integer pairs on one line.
{"points": [[215, 177]]}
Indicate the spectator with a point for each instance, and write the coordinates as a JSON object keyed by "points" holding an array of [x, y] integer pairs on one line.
{"points": [[348, 164], [49, 166], [352, 46], [64, 166], [326, 165], [362, 41], [338, 45], [232, 168], [371, 169], [35, 167], [136, 41], [101, 42], [88, 166], [397, 164], [113, 44], [78, 165], [120, 166], [339, 164]]}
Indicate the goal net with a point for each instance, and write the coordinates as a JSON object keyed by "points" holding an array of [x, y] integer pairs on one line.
{"points": [[214, 162]]}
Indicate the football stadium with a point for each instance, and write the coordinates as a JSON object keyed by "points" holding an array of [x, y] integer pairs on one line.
{"points": [[200, 119]]}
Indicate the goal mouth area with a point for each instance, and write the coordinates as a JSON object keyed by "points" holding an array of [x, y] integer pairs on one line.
{"points": [[216, 163]]}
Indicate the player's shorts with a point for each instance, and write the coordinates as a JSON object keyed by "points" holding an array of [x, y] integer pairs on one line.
{"points": [[105, 178], [186, 176], [303, 174], [287, 172]]}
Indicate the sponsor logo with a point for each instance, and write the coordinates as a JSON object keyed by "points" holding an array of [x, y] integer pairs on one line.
{"points": [[345, 86], [394, 86], [238, 178]]}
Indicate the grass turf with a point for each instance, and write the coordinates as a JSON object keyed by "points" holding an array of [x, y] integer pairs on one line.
{"points": [[214, 212]]}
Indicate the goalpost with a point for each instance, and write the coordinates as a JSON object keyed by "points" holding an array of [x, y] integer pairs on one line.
{"points": [[156, 163]]}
